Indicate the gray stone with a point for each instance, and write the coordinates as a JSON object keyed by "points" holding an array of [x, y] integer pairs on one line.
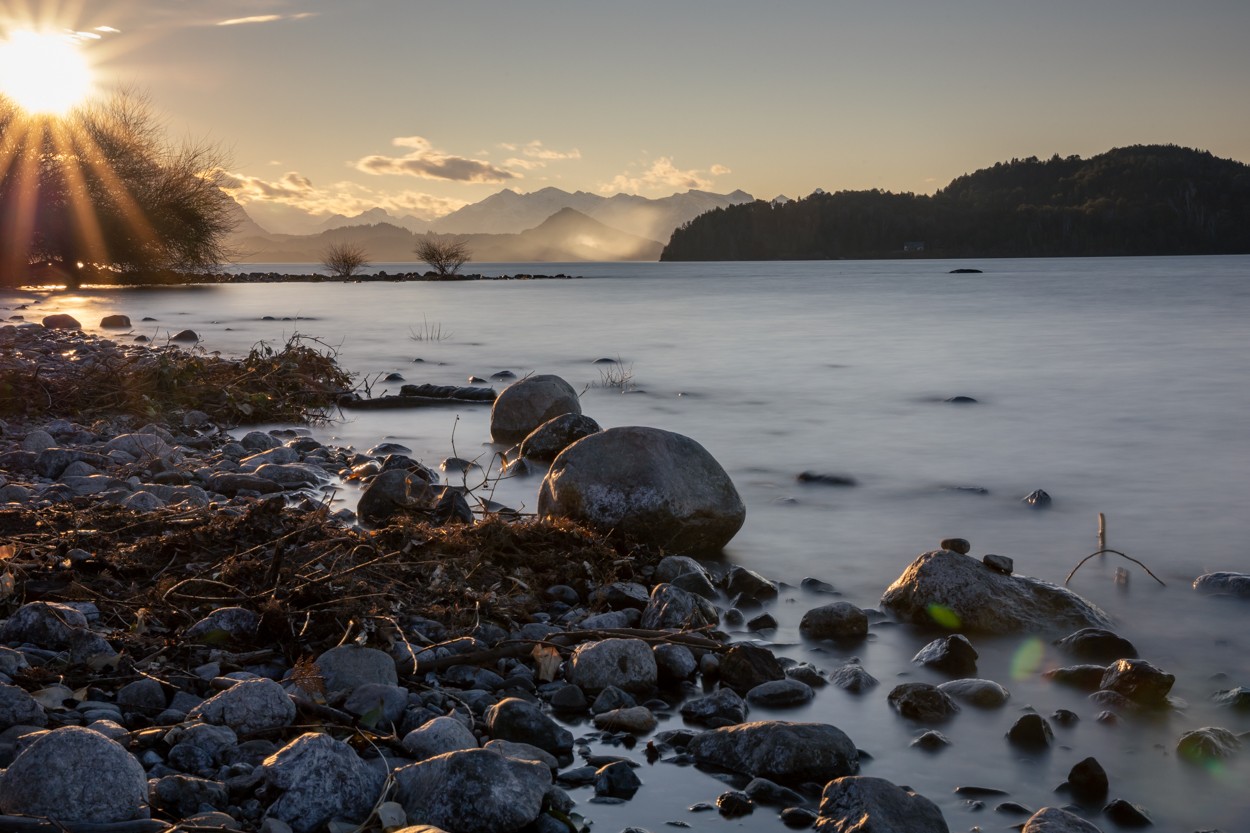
{"points": [[674, 663], [1096, 645], [780, 694], [38, 440], [673, 566], [839, 620], [61, 321], [528, 403], [1139, 681], [922, 702], [224, 624], [437, 736], [959, 593], [473, 791], [863, 804], [999, 563], [17, 708], [377, 704], [1084, 677], [656, 487], [73, 774], [1224, 583], [523, 752], [393, 492], [197, 746], [1031, 731], [1087, 781], [116, 320], [519, 720], [230, 483], [628, 664], [984, 694], [1055, 820], [637, 720], [763, 791], [788, 753], [348, 666], [142, 447], [546, 441], [612, 698], [744, 666], [723, 707], [952, 654], [671, 608], [184, 795], [248, 706], [1209, 743], [45, 624], [616, 780], [852, 677], [320, 779]]}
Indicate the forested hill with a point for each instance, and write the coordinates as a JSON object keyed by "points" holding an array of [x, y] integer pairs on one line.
{"points": [[1141, 200]]}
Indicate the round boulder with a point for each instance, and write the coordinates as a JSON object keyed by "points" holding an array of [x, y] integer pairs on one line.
{"points": [[788, 753], [74, 774], [628, 664], [839, 620], [524, 406], [61, 321], [546, 441], [860, 802], [657, 487], [473, 791]]}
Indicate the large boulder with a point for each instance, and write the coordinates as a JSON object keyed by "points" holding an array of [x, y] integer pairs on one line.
{"points": [[546, 441], [393, 492], [960, 593], [248, 706], [473, 791], [628, 664], [527, 404], [861, 804], [319, 779], [74, 774], [657, 487], [788, 753], [1055, 820]]}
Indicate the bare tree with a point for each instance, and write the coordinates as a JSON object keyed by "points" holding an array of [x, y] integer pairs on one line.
{"points": [[444, 256], [343, 260]]}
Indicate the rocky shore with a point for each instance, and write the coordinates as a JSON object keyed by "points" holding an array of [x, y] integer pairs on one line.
{"points": [[192, 639]]}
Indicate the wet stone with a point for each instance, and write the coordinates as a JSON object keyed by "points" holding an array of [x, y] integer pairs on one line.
{"points": [[734, 804], [1087, 781], [1031, 731], [780, 694], [959, 545], [953, 655], [922, 702], [1097, 645], [1124, 814]]}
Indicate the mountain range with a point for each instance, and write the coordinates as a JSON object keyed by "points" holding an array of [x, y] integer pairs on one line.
{"points": [[549, 225]]}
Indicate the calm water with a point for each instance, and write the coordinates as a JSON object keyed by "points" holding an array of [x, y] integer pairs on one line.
{"points": [[1117, 385]]}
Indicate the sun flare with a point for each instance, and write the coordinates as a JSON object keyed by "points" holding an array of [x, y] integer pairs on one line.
{"points": [[43, 72]]}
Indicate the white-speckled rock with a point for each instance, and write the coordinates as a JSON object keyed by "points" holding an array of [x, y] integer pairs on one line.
{"points": [[72, 774]]}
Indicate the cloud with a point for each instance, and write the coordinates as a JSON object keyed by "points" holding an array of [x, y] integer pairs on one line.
{"points": [[296, 190], [535, 150], [663, 175], [264, 18], [424, 162]]}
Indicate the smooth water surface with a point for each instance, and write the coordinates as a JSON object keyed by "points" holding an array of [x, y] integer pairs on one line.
{"points": [[1119, 386]]}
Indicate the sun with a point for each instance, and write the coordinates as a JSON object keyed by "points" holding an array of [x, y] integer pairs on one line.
{"points": [[43, 72]]}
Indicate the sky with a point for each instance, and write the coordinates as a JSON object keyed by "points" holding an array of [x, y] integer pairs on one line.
{"points": [[338, 106]]}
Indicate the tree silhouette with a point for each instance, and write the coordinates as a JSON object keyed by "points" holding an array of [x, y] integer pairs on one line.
{"points": [[100, 194], [343, 260], [444, 256]]}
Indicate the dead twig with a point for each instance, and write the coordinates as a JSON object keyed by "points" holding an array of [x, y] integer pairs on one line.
{"points": [[1112, 552]]}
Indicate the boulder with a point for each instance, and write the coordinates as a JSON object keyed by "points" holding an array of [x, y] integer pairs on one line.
{"points": [[1087, 781], [248, 706], [952, 654], [473, 791], [922, 702], [839, 620], [61, 321], [348, 666], [1055, 820], [1139, 681], [18, 708], [788, 753], [224, 624], [393, 492], [1224, 583], [437, 736], [852, 677], [723, 707], [521, 721], [656, 487], [1031, 731], [780, 694], [1096, 645], [115, 321], [744, 666], [72, 774], [1207, 744], [671, 608], [959, 593], [628, 664], [320, 779], [525, 405], [546, 441], [862, 804], [984, 694], [44, 624]]}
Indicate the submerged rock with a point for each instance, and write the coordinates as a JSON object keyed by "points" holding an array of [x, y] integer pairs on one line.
{"points": [[1055, 820], [1207, 744], [863, 804], [953, 655], [984, 694], [922, 702], [1087, 781], [1139, 681], [654, 486], [959, 593], [1224, 583], [1097, 645]]}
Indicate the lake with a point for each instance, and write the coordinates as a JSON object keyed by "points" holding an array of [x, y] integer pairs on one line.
{"points": [[1119, 386]]}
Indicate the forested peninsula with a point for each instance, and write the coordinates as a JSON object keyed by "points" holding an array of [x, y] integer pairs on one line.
{"points": [[1140, 200]]}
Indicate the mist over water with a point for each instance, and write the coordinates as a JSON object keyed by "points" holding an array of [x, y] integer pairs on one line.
{"points": [[1117, 385]]}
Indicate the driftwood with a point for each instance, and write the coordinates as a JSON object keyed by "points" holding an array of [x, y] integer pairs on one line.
{"points": [[385, 402], [1113, 552], [566, 640], [31, 824]]}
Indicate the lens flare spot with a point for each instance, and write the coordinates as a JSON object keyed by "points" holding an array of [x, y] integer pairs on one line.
{"points": [[944, 616], [1027, 659]]}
